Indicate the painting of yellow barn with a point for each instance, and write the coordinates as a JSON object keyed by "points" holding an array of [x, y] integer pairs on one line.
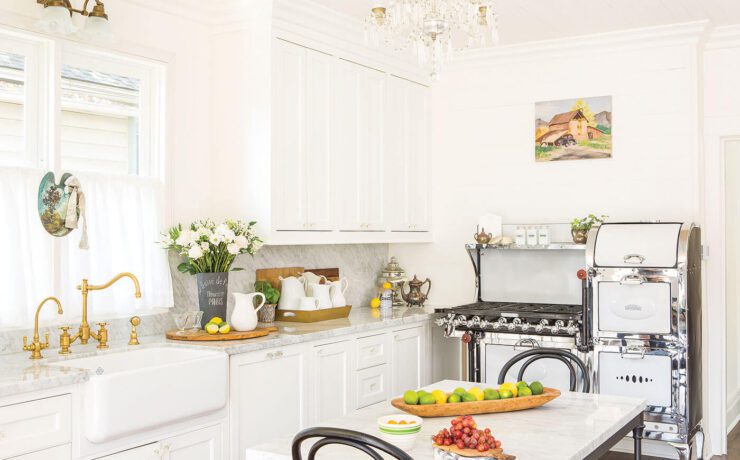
{"points": [[573, 129]]}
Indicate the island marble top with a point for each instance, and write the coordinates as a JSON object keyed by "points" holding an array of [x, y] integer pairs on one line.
{"points": [[569, 427], [18, 374]]}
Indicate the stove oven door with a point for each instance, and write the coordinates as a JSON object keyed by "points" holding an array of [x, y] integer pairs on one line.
{"points": [[550, 372], [639, 372], [634, 305]]}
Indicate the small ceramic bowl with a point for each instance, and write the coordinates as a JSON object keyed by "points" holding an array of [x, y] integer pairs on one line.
{"points": [[401, 430]]}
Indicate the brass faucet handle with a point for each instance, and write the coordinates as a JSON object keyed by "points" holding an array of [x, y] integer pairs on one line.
{"points": [[102, 336], [25, 344], [45, 345], [134, 338], [65, 341]]}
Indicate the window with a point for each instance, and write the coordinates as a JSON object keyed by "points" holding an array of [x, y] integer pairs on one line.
{"points": [[108, 117]]}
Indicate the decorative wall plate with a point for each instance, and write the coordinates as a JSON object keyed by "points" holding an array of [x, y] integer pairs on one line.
{"points": [[52, 204]]}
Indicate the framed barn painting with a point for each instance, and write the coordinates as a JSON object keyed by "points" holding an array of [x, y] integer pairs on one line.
{"points": [[573, 129]]}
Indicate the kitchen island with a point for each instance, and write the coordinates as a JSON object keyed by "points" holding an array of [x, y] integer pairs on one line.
{"points": [[574, 426]]}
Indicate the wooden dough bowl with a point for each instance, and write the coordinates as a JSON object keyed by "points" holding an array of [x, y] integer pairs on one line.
{"points": [[478, 407]]}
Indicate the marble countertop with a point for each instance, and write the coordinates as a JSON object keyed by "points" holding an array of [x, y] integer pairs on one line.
{"points": [[568, 428], [18, 374]]}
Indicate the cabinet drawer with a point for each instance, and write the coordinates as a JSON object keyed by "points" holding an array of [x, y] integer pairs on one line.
{"points": [[56, 453], [35, 425], [372, 350], [372, 385]]}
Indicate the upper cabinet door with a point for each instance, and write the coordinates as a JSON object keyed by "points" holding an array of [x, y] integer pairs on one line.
{"points": [[301, 138], [358, 145], [407, 155]]}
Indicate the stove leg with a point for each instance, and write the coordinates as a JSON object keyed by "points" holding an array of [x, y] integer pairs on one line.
{"points": [[637, 436], [684, 450], [698, 441]]}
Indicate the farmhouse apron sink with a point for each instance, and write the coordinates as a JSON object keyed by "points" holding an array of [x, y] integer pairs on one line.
{"points": [[134, 391]]}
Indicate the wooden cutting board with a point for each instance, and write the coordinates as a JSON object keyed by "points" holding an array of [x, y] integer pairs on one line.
{"points": [[491, 453], [332, 274], [203, 336], [273, 275], [478, 407]]}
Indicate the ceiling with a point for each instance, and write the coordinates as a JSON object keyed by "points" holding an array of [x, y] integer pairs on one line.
{"points": [[533, 20]]}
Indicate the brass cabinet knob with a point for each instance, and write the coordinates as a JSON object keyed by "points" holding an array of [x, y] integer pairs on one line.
{"points": [[134, 338]]}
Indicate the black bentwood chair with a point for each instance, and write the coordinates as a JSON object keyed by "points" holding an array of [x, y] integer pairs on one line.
{"points": [[536, 354], [359, 441]]}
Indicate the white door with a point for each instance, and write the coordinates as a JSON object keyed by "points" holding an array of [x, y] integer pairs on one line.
{"points": [[407, 360], [56, 453], [148, 452], [331, 383], [267, 396], [407, 155], [203, 444], [359, 101], [301, 124]]}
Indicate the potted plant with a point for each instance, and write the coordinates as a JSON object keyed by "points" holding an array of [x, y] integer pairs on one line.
{"points": [[272, 295], [579, 227], [209, 251]]}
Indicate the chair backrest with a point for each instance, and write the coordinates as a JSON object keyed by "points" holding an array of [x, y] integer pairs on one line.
{"points": [[536, 354], [360, 441]]}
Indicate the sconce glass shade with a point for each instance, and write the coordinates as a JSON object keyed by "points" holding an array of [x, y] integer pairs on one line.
{"points": [[96, 29], [55, 20]]}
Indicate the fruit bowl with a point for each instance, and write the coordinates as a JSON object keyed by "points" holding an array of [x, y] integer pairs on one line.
{"points": [[478, 407]]}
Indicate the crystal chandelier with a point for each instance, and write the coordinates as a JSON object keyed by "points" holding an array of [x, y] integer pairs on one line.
{"points": [[432, 29]]}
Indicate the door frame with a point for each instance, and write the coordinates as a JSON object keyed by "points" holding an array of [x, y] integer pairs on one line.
{"points": [[717, 134]]}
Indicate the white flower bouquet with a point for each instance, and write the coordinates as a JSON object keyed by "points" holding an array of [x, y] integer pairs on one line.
{"points": [[211, 248]]}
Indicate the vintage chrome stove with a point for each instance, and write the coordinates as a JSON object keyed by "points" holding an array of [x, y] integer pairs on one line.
{"points": [[519, 308], [646, 280]]}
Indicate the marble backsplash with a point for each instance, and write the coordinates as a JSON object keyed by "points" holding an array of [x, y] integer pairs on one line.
{"points": [[360, 263]]}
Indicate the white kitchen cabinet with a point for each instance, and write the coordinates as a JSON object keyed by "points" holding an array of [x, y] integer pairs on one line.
{"points": [[268, 396], [35, 425], [302, 117], [203, 444], [407, 363], [331, 382], [56, 453], [372, 385], [151, 451], [407, 156], [359, 105]]}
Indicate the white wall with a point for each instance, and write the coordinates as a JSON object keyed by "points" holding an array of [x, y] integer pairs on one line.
{"points": [[483, 146], [184, 45], [732, 230]]}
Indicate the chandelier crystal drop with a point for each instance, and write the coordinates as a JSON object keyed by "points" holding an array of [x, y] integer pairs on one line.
{"points": [[432, 29]]}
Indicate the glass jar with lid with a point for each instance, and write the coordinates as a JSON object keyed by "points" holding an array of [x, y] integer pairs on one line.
{"points": [[396, 276]]}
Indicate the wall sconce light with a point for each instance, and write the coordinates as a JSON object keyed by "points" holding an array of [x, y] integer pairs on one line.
{"points": [[57, 19]]}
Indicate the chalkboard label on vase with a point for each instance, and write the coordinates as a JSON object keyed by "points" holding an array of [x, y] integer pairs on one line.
{"points": [[213, 291]]}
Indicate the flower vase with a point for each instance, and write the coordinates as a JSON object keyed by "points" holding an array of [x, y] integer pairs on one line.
{"points": [[579, 236], [213, 290]]}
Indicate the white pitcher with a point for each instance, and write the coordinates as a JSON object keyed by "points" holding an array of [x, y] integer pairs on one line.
{"points": [[313, 278], [291, 290], [321, 292], [244, 316], [338, 288]]}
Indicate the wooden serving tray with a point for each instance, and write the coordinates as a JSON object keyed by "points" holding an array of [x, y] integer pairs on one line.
{"points": [[312, 316], [203, 336], [478, 407], [490, 453]]}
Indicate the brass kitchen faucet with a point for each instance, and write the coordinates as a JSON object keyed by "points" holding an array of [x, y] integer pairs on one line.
{"points": [[36, 345], [84, 332]]}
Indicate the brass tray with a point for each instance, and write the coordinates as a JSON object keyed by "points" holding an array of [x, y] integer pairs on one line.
{"points": [[312, 316]]}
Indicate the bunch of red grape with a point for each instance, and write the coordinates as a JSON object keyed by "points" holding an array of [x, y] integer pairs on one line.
{"points": [[464, 434]]}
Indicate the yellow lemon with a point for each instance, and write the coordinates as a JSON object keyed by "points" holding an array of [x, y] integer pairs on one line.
{"points": [[225, 328], [216, 320], [212, 328], [440, 396], [477, 392], [375, 303], [386, 285], [509, 386]]}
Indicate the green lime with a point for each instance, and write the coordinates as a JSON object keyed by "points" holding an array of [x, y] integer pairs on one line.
{"points": [[467, 397], [521, 384], [536, 388], [524, 391], [421, 393], [410, 397], [459, 391], [490, 393], [427, 399], [454, 398], [506, 394]]}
